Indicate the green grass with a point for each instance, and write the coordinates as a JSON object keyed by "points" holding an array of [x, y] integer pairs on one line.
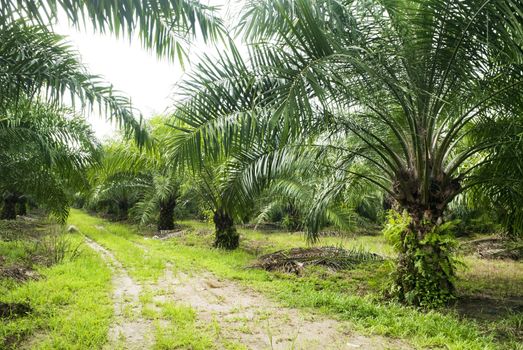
{"points": [[353, 295], [498, 279], [71, 305], [124, 243], [284, 240], [182, 332]]}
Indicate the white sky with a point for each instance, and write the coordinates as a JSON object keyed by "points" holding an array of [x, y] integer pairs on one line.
{"points": [[134, 71]]}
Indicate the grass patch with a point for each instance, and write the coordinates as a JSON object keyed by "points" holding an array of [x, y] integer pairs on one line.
{"points": [[491, 278], [70, 303], [182, 332]]}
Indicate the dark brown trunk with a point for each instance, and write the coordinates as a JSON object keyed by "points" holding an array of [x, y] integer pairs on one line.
{"points": [[9, 207], [22, 206], [123, 208], [166, 218], [226, 235]]}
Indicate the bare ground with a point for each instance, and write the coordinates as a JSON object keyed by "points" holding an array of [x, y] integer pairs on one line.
{"points": [[251, 319], [129, 330], [243, 315]]}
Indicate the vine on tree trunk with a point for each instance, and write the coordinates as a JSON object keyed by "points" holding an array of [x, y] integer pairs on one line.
{"points": [[425, 273]]}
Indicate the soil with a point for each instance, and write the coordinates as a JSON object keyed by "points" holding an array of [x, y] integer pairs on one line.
{"points": [[19, 273], [128, 327], [488, 309], [12, 310], [168, 234], [248, 317], [242, 314]]}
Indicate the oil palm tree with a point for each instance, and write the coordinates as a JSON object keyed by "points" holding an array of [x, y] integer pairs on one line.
{"points": [[38, 65], [407, 82], [499, 188], [144, 184], [227, 151], [164, 26], [295, 195], [44, 154]]}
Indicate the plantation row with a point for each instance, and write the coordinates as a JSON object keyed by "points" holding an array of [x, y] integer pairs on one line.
{"points": [[346, 114]]}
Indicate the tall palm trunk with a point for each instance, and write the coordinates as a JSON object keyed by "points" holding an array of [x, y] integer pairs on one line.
{"points": [[166, 218], [9, 207], [226, 235]]}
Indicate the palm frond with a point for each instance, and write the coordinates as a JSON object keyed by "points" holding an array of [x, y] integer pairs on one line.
{"points": [[38, 64], [164, 26]]}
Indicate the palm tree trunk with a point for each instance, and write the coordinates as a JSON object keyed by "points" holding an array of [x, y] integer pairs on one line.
{"points": [[9, 207], [22, 206], [226, 235], [425, 270], [166, 218], [123, 208]]}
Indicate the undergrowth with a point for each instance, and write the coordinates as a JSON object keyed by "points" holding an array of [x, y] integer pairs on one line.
{"points": [[70, 305]]}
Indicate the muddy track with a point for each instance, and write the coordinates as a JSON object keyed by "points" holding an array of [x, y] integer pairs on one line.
{"points": [[128, 330]]}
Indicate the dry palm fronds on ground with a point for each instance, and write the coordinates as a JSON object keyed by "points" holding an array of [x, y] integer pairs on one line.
{"points": [[494, 248], [294, 260], [18, 273]]}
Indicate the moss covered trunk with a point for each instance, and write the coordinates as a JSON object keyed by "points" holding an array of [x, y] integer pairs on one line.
{"points": [[425, 268], [226, 235]]}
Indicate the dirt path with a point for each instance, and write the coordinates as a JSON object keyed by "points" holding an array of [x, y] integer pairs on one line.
{"points": [[129, 330], [243, 315], [253, 320]]}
